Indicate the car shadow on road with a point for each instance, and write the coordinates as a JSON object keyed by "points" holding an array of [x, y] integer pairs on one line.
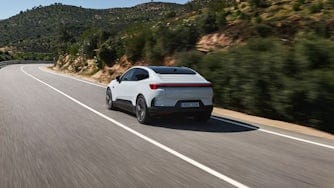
{"points": [[215, 124]]}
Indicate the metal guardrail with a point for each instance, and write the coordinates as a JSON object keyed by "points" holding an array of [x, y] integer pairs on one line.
{"points": [[12, 62]]}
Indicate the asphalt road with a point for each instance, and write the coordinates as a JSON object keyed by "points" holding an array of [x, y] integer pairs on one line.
{"points": [[57, 132]]}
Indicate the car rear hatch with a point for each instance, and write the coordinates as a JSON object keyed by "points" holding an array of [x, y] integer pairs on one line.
{"points": [[184, 87]]}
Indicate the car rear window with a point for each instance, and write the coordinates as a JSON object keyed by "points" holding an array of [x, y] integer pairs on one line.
{"points": [[172, 70]]}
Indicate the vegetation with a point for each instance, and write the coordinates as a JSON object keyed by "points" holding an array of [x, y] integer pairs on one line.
{"points": [[5, 56], [49, 29], [294, 83]]}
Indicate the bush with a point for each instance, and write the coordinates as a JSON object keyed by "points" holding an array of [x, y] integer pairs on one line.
{"points": [[221, 19], [259, 3], [315, 82], [330, 3], [5, 56], [107, 56], [189, 59], [263, 30], [315, 8], [74, 49], [296, 7], [171, 14], [207, 24]]}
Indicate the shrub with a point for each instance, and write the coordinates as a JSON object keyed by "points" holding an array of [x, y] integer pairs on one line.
{"points": [[134, 46], [189, 59], [171, 14], [207, 24], [259, 3], [315, 8], [221, 19], [263, 30], [74, 49], [296, 7], [107, 56]]}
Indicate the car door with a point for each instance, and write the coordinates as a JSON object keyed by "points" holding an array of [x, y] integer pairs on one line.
{"points": [[122, 88], [133, 86]]}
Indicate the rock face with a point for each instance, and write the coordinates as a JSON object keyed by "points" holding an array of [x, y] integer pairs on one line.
{"points": [[213, 42]]}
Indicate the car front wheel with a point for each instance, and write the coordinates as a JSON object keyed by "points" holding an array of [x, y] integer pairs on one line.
{"points": [[142, 113]]}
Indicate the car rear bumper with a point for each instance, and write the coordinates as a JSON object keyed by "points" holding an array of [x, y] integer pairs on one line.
{"points": [[159, 110]]}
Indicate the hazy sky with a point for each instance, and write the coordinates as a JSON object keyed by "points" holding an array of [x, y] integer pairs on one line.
{"points": [[10, 8]]}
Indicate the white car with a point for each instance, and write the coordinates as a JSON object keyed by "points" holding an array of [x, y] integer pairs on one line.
{"points": [[151, 91]]}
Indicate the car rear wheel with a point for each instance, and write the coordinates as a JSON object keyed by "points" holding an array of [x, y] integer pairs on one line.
{"points": [[109, 99], [142, 113]]}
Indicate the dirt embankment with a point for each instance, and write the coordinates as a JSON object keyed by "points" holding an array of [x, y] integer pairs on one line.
{"points": [[89, 68], [213, 42]]}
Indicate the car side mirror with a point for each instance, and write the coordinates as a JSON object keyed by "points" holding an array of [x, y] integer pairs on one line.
{"points": [[118, 78]]}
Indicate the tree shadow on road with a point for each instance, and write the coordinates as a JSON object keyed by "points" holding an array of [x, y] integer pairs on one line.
{"points": [[215, 124]]}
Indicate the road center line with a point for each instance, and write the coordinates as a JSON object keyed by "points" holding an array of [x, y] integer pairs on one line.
{"points": [[219, 119], [150, 140]]}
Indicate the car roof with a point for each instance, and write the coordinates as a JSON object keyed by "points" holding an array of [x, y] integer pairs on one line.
{"points": [[167, 70], [171, 70]]}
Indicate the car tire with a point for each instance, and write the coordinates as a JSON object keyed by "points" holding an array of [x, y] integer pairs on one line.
{"points": [[142, 112], [109, 100], [203, 117]]}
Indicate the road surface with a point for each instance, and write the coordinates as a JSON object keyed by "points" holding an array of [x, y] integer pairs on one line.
{"points": [[56, 131]]}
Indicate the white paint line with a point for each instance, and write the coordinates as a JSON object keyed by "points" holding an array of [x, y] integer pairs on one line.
{"points": [[233, 122], [161, 146], [275, 133], [297, 139], [71, 77]]}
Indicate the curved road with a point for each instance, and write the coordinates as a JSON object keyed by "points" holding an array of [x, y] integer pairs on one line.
{"points": [[56, 131]]}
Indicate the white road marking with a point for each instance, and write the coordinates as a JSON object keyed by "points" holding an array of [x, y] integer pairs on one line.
{"points": [[150, 140], [71, 77], [232, 122], [275, 133]]}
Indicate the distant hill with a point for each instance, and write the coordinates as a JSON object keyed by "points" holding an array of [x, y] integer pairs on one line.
{"points": [[39, 29]]}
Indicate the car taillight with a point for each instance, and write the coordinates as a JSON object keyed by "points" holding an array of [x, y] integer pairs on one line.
{"points": [[157, 86], [154, 86]]}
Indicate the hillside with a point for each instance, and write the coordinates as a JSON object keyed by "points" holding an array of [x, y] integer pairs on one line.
{"points": [[42, 28]]}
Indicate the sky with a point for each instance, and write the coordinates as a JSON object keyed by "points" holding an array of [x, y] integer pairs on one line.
{"points": [[10, 8]]}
